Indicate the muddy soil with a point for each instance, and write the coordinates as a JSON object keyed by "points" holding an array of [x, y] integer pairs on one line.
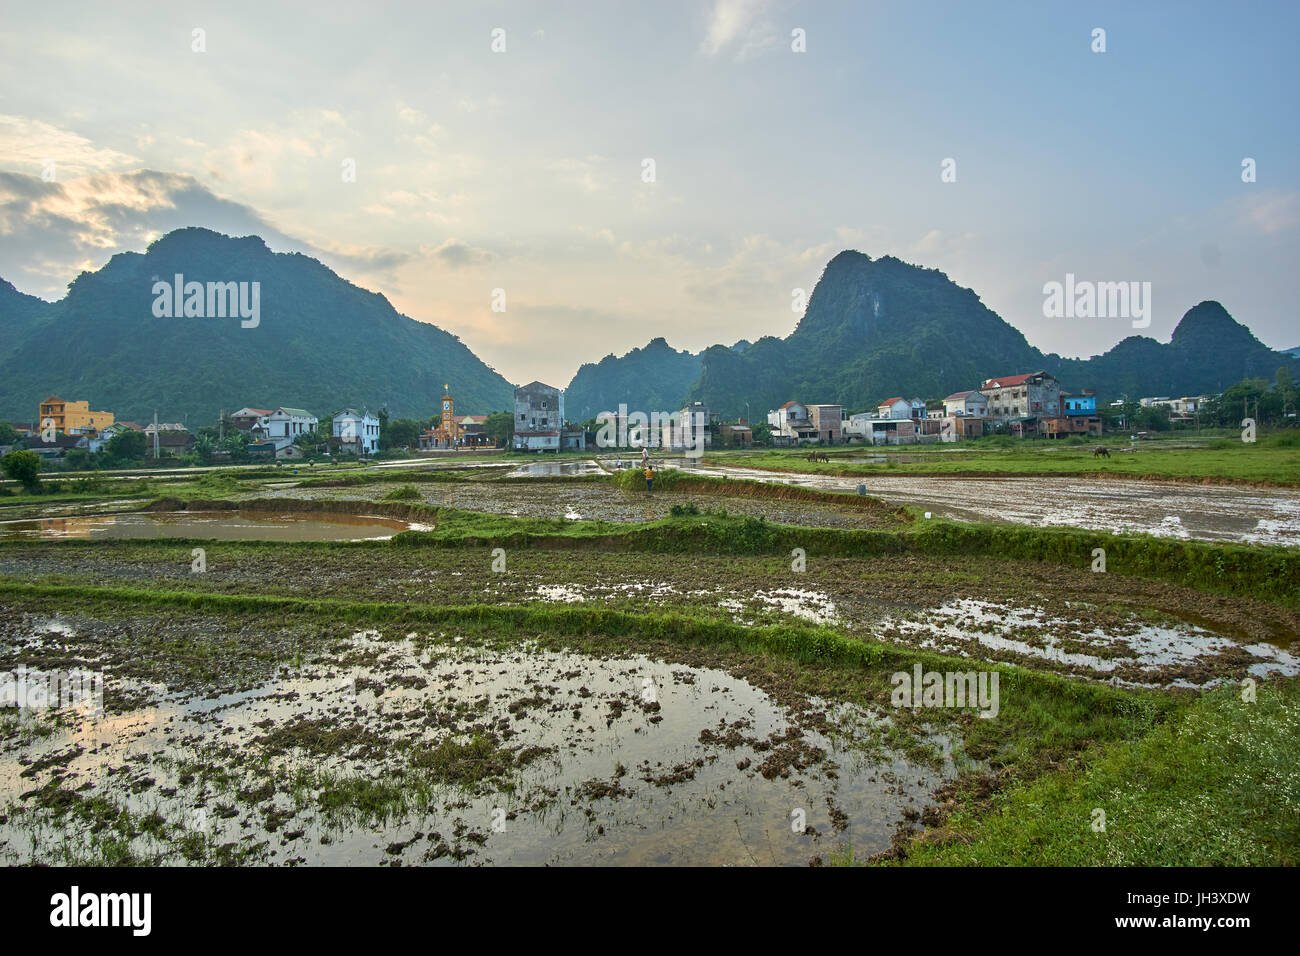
{"points": [[1074, 622], [595, 501], [1208, 512], [323, 745]]}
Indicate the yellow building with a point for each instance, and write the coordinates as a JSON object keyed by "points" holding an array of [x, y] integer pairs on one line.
{"points": [[66, 416]]}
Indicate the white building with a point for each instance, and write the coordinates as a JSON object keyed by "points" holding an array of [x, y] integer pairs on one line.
{"points": [[791, 423], [358, 432], [900, 407], [962, 404], [285, 424]]}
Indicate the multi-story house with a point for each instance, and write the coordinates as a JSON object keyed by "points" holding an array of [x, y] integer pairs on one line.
{"points": [[1020, 401], [900, 407], [285, 424], [358, 432], [970, 404], [539, 417], [1078, 416], [827, 422], [68, 417], [251, 420], [696, 412], [790, 424]]}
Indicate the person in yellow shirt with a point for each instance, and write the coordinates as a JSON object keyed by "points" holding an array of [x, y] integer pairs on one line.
{"points": [[649, 478]]}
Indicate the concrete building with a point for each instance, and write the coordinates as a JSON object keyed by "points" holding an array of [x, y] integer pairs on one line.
{"points": [[251, 420], [875, 430], [1020, 401], [827, 421], [1078, 416], [962, 404], [790, 424], [696, 411], [285, 424], [1180, 409], [539, 417], [357, 432], [958, 427], [67, 416], [739, 435]]}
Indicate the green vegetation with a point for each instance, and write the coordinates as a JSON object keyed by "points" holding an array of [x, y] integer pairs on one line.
{"points": [[1220, 787], [1184, 777], [293, 359], [1272, 459], [23, 467]]}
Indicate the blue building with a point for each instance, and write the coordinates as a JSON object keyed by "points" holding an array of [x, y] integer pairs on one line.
{"points": [[1079, 404]]}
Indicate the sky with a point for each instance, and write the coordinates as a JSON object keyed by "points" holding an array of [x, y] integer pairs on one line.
{"points": [[524, 169]]}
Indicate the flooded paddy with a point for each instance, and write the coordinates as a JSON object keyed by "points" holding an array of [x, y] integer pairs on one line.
{"points": [[594, 501], [1128, 650], [425, 748], [214, 525], [1166, 509], [1028, 613]]}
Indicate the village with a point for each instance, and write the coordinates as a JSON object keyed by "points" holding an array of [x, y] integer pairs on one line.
{"points": [[1024, 405]]}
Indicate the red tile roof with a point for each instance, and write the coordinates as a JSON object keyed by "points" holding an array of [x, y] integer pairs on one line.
{"points": [[890, 401], [1009, 380]]}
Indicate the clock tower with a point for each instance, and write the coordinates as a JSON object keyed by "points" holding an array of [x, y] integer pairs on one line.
{"points": [[447, 432], [448, 407]]}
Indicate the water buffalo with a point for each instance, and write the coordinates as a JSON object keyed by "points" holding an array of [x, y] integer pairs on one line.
{"points": [[1101, 451]]}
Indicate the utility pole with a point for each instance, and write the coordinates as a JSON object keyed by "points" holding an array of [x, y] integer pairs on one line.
{"points": [[155, 434]]}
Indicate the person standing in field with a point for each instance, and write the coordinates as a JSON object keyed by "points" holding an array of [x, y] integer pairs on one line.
{"points": [[649, 478]]}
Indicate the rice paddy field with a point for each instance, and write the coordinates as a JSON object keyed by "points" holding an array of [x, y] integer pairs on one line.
{"points": [[758, 663]]}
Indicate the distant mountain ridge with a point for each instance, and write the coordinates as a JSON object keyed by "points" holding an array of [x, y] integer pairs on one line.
{"points": [[654, 377], [873, 328], [322, 343], [880, 327]]}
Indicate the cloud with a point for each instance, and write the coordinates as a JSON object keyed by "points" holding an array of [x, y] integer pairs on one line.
{"points": [[29, 144], [1271, 212], [49, 232], [737, 22], [456, 254], [584, 173]]}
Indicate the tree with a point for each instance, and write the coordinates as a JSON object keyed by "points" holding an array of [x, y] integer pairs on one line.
{"points": [[8, 434], [1154, 418], [78, 459], [23, 467], [500, 427], [1283, 381], [403, 432], [128, 446]]}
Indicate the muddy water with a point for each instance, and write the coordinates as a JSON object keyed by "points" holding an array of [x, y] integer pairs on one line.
{"points": [[1080, 640], [1129, 651], [623, 760], [554, 469], [593, 501], [1209, 512], [219, 526]]}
